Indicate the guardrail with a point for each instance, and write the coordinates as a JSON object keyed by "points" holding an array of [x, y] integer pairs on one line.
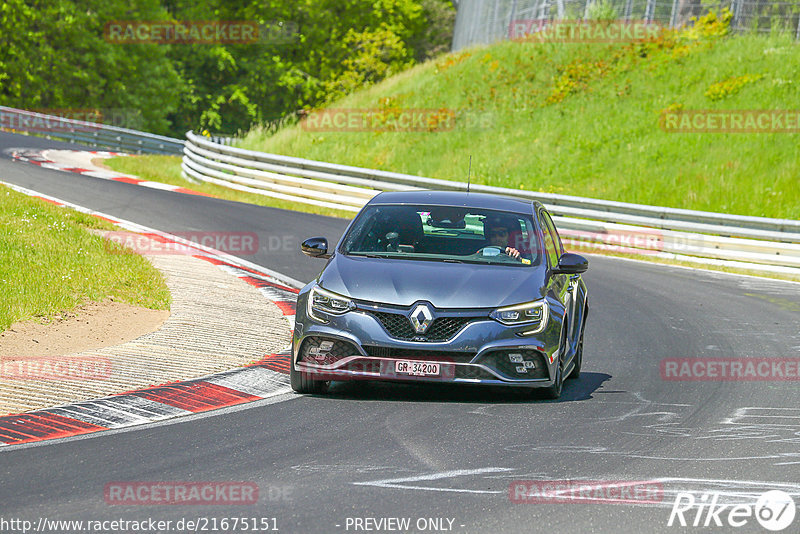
{"points": [[757, 243], [88, 133]]}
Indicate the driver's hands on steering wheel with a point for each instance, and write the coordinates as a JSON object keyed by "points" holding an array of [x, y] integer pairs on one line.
{"points": [[509, 251]]}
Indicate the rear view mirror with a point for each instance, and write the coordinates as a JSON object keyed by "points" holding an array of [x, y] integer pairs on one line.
{"points": [[447, 217], [570, 263], [315, 247]]}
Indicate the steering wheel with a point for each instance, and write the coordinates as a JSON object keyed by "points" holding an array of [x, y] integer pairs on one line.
{"points": [[490, 251], [493, 251]]}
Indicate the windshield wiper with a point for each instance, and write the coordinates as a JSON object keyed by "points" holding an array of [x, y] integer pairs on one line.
{"points": [[360, 255]]}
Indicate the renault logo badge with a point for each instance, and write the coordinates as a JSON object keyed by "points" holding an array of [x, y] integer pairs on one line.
{"points": [[421, 318]]}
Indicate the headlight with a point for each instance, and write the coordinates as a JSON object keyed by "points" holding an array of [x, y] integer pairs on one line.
{"points": [[322, 300], [529, 313]]}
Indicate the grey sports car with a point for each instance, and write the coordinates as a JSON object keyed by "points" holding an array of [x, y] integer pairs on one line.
{"points": [[435, 286]]}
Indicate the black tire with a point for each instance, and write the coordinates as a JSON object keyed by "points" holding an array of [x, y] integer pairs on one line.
{"points": [[554, 391], [576, 371], [578, 359], [302, 383]]}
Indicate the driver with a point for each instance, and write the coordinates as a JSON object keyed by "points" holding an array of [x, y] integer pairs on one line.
{"points": [[497, 232]]}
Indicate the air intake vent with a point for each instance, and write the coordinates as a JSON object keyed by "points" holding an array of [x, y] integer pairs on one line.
{"points": [[326, 351], [517, 363]]}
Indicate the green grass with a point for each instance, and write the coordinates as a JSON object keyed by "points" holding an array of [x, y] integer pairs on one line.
{"points": [[51, 263], [167, 169], [583, 119]]}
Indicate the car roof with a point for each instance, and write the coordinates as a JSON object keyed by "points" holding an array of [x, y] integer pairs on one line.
{"points": [[456, 198]]}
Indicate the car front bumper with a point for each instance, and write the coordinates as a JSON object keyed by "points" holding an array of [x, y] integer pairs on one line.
{"points": [[357, 346]]}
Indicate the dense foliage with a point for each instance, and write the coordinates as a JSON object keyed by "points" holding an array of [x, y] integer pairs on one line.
{"points": [[55, 56]]}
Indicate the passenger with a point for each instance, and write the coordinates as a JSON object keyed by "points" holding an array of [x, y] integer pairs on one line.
{"points": [[406, 234]]}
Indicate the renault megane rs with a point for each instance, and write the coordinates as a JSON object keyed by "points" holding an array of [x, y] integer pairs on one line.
{"points": [[435, 286]]}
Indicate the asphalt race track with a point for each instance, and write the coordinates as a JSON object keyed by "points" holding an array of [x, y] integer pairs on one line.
{"points": [[379, 451]]}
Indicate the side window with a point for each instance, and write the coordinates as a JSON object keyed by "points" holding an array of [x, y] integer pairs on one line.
{"points": [[556, 237], [552, 244], [520, 238]]}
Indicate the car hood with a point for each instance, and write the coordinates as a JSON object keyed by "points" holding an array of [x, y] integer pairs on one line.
{"points": [[444, 285]]}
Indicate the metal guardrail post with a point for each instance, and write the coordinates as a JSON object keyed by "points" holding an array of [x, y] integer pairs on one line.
{"points": [[736, 8], [649, 11], [674, 14], [513, 13], [797, 34]]}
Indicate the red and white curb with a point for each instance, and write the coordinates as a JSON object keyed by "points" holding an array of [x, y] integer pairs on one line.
{"points": [[265, 378], [37, 157]]}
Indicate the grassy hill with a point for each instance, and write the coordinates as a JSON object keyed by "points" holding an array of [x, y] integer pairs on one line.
{"points": [[52, 264], [583, 119]]}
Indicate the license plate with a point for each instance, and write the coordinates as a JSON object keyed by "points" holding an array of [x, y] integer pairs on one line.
{"points": [[405, 367]]}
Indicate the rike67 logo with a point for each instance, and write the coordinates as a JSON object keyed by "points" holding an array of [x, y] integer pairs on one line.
{"points": [[774, 510]]}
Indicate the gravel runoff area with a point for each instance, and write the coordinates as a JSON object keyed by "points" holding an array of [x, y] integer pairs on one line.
{"points": [[217, 322]]}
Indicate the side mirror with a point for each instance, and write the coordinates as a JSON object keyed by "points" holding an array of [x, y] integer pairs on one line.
{"points": [[570, 263], [315, 247]]}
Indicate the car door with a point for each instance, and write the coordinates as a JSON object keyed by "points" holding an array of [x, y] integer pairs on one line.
{"points": [[560, 286]]}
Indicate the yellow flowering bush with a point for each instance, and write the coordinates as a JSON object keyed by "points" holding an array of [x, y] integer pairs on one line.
{"points": [[730, 86]]}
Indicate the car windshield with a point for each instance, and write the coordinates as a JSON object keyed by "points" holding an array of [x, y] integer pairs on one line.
{"points": [[443, 233]]}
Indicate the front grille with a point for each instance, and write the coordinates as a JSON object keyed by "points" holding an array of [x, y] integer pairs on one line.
{"points": [[396, 325], [419, 354], [441, 329], [444, 328], [532, 364], [325, 351]]}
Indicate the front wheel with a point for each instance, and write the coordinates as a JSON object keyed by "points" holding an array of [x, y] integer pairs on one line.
{"points": [[578, 358], [554, 391], [303, 383], [576, 371]]}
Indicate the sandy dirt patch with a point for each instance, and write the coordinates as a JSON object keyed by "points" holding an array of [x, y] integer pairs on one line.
{"points": [[91, 326]]}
